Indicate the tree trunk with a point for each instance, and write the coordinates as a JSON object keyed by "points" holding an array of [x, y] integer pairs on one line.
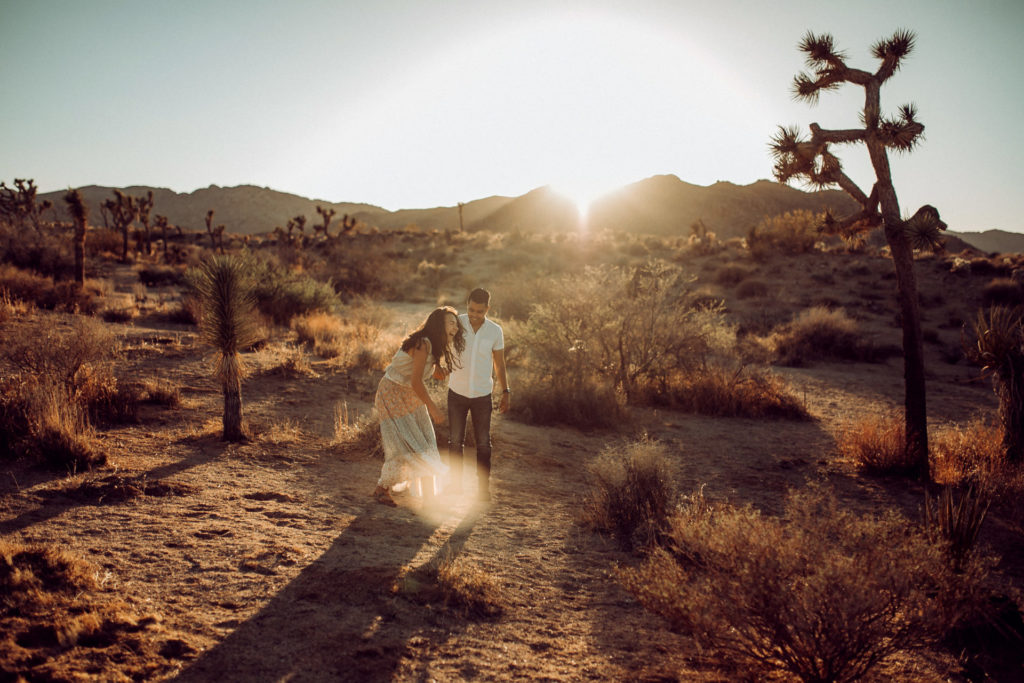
{"points": [[233, 430], [916, 415], [124, 244], [80, 253]]}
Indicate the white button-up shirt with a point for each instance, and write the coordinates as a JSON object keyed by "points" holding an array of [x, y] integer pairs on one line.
{"points": [[475, 377]]}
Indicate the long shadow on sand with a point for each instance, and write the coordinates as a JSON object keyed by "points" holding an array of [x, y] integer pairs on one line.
{"points": [[340, 618], [56, 501]]}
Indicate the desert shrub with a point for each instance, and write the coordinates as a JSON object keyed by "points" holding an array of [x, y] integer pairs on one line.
{"points": [[821, 593], [44, 424], [822, 334], [46, 253], [105, 400], [752, 288], [631, 495], [622, 328], [43, 293], [731, 275], [1002, 291], [55, 349], [119, 315], [279, 294], [159, 276], [380, 267], [721, 391], [972, 452], [877, 445], [353, 338], [588, 403], [794, 232]]}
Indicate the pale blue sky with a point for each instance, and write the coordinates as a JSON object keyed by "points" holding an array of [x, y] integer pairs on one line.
{"points": [[417, 104]]}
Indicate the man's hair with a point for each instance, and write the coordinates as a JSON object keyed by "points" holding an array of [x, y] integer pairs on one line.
{"points": [[480, 296]]}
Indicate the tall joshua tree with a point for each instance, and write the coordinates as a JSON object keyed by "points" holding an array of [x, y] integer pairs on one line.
{"points": [[79, 214], [123, 210], [228, 325], [145, 206], [811, 160]]}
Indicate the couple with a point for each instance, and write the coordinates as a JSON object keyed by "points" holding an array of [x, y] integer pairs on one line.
{"points": [[465, 349]]}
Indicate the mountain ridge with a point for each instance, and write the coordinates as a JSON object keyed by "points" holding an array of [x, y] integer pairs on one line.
{"points": [[660, 204]]}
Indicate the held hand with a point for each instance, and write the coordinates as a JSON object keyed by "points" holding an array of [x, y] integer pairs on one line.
{"points": [[503, 403], [440, 373], [435, 414]]}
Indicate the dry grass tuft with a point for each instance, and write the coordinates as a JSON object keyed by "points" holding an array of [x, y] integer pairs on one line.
{"points": [[356, 438], [821, 593], [819, 333], [456, 585], [966, 453], [36, 576], [878, 446], [723, 392], [632, 494]]}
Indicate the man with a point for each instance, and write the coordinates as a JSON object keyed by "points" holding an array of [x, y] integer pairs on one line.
{"points": [[470, 388]]}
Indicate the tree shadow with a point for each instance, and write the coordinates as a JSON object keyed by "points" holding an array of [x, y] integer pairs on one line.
{"points": [[344, 617], [56, 501]]}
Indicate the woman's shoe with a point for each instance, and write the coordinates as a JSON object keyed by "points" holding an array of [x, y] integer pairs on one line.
{"points": [[383, 496]]}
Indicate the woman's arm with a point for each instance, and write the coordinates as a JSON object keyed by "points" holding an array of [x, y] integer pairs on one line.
{"points": [[419, 361]]}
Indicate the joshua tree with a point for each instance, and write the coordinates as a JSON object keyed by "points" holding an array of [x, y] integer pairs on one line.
{"points": [[216, 233], [348, 224], [79, 214], [145, 205], [298, 222], [228, 324], [461, 204], [812, 161], [1000, 351], [18, 204], [162, 223], [326, 215], [123, 210]]}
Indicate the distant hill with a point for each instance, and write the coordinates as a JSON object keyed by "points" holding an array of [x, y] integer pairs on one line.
{"points": [[994, 241], [662, 205], [665, 205]]}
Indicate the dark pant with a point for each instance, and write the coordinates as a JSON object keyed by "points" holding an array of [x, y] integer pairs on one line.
{"points": [[480, 409]]}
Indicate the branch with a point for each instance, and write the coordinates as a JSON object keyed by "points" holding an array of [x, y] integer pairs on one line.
{"points": [[819, 134], [892, 52]]}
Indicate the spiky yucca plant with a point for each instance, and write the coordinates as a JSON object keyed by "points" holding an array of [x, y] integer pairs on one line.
{"points": [[812, 161], [228, 323], [999, 350], [958, 523], [80, 214]]}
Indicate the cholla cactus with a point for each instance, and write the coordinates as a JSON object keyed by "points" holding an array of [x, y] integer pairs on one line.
{"points": [[813, 161]]}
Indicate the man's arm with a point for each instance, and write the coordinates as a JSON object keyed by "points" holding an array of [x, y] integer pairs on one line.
{"points": [[499, 370]]}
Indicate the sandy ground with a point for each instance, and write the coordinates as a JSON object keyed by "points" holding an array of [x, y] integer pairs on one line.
{"points": [[268, 560]]}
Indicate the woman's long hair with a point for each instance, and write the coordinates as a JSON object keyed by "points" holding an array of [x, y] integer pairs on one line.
{"points": [[433, 328]]}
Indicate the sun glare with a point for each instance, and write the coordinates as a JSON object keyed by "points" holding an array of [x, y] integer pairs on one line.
{"points": [[582, 194]]}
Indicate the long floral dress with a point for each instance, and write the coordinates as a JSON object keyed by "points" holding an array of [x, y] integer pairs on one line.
{"points": [[410, 446]]}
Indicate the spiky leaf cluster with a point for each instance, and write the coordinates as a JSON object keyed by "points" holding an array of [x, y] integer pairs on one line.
{"points": [[228, 321], [901, 132], [77, 207], [924, 229], [1000, 340]]}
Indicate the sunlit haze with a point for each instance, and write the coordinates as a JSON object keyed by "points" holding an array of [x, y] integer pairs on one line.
{"points": [[416, 104]]}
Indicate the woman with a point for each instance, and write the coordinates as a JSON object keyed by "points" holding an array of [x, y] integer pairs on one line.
{"points": [[405, 408]]}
